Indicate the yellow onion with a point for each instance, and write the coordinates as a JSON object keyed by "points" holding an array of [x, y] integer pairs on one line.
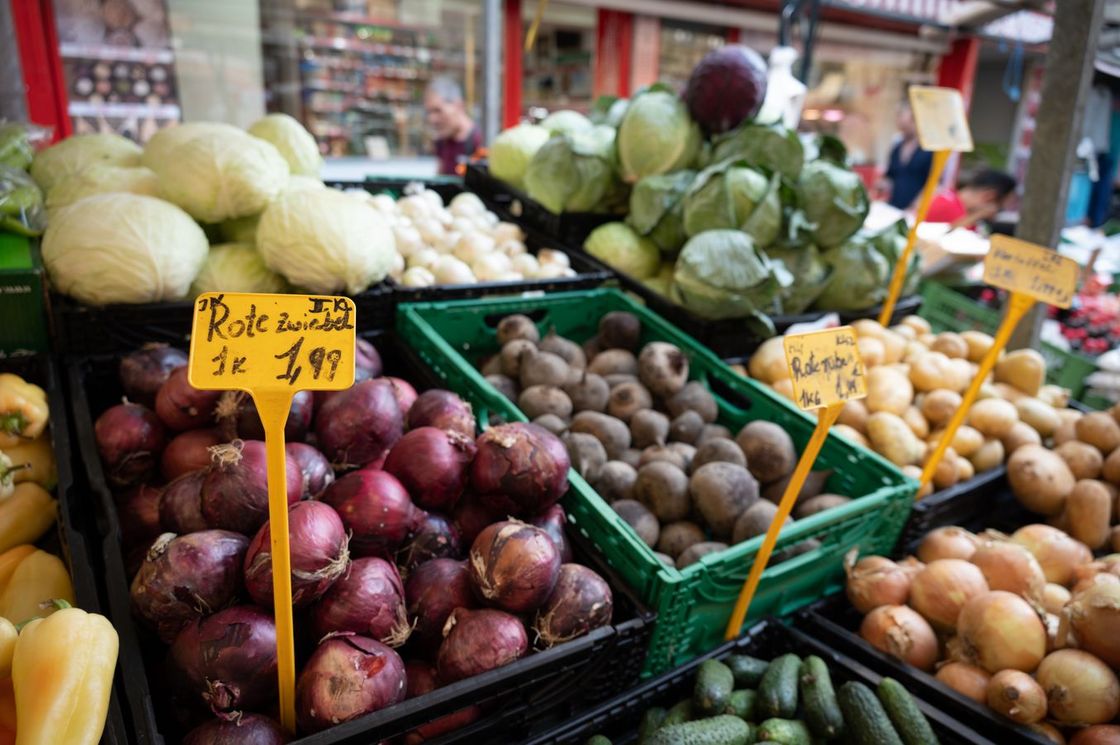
{"points": [[1010, 567], [1098, 734], [1055, 639], [949, 542], [1049, 731], [911, 565], [874, 581], [900, 632], [967, 680], [1055, 597], [1017, 696], [1057, 552], [1094, 616], [1000, 631], [1080, 689], [1094, 580], [942, 588]]}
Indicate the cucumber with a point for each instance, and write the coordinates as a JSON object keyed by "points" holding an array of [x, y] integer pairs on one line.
{"points": [[598, 740], [904, 714], [721, 730], [651, 720], [865, 720], [777, 692], [742, 704], [785, 732], [746, 669], [714, 683], [680, 712], [818, 700]]}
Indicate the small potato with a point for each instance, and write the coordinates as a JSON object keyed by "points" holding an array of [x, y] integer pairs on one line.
{"points": [[1038, 414], [965, 469], [851, 435], [1070, 415], [768, 363], [854, 414], [891, 438], [947, 473], [1085, 461], [950, 344], [934, 370], [894, 346], [989, 456], [916, 473], [1054, 395], [906, 332], [966, 441], [663, 489], [914, 350], [939, 406], [868, 327], [993, 417], [871, 350], [1019, 435], [919, 324], [1088, 508], [916, 422], [927, 340], [783, 387], [1111, 468], [1024, 368], [1065, 432], [961, 373], [1008, 392], [1040, 479], [987, 390], [1100, 430], [978, 344], [888, 390]]}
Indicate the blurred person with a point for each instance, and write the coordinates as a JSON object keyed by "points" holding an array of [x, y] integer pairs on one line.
{"points": [[979, 197], [453, 130], [908, 165]]}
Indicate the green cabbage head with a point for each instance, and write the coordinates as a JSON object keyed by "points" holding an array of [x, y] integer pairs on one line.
{"points": [[834, 200], [293, 141], [656, 208], [810, 275], [565, 121], [619, 247], [236, 267], [511, 151], [773, 147], [721, 274], [656, 135], [74, 154], [102, 179], [891, 242], [732, 195], [574, 172], [859, 277]]}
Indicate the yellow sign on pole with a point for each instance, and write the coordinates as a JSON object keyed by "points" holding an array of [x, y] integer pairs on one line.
{"points": [[273, 346], [826, 370]]}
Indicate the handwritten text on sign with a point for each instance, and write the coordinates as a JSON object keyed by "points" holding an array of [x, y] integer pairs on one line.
{"points": [[825, 367], [940, 118], [1032, 270], [262, 342]]}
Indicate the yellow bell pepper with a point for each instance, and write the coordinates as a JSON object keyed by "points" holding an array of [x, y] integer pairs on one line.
{"points": [[33, 461], [11, 559], [26, 515], [8, 637], [7, 705], [39, 579], [23, 410], [63, 675]]}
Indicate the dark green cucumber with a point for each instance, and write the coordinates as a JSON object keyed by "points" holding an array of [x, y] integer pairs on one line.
{"points": [[818, 700], [785, 732], [742, 704], [680, 712], [904, 714], [746, 669], [651, 720], [721, 730], [865, 720], [598, 740], [777, 692], [714, 684]]}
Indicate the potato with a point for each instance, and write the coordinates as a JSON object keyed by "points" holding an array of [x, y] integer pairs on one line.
{"points": [[961, 373], [1054, 395], [854, 414], [1038, 414], [819, 503], [914, 350], [1024, 368], [888, 390], [989, 456], [934, 370], [966, 441], [721, 492], [965, 469], [768, 363], [1088, 509], [919, 324], [891, 438], [916, 422], [1008, 392], [677, 537], [1020, 434], [643, 521], [1114, 410], [756, 521], [950, 344], [906, 332], [993, 417], [697, 551], [1040, 479], [987, 390], [1100, 430], [1110, 470], [613, 433], [663, 488], [783, 387], [868, 327], [946, 474], [871, 350], [916, 473], [927, 340], [894, 346], [1084, 461], [769, 450], [939, 405], [851, 435], [978, 344], [1069, 416]]}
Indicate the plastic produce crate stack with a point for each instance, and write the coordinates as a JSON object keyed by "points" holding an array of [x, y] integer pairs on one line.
{"points": [[693, 604]]}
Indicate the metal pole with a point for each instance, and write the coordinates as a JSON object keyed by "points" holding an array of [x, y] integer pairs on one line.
{"points": [[492, 43], [1065, 85]]}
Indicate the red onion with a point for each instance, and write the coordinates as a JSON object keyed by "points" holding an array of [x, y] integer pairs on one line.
{"points": [[229, 658], [368, 599], [187, 577], [580, 603], [237, 416], [244, 729], [553, 521], [235, 493], [476, 641], [316, 469], [367, 362], [138, 513], [181, 406], [347, 676], [319, 555], [520, 469], [375, 508], [471, 516], [357, 425], [433, 590], [434, 538], [514, 566], [180, 504], [144, 371], [404, 393], [433, 465], [421, 677], [188, 451], [129, 439], [442, 410]]}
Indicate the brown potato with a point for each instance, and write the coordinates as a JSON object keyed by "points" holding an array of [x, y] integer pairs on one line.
{"points": [[919, 324], [1054, 395], [1040, 479], [1038, 414], [1114, 538], [916, 422], [1065, 432], [1024, 368], [993, 417], [1069, 416], [965, 469], [966, 441], [916, 473], [871, 350], [931, 371], [947, 473], [939, 406], [1114, 410], [989, 456], [1008, 392], [1084, 461], [854, 414], [894, 346], [1100, 430], [868, 327], [768, 363], [783, 387], [906, 332], [950, 344], [1110, 469], [1088, 508], [978, 344], [891, 438], [927, 340], [1019, 435], [888, 390], [851, 435]]}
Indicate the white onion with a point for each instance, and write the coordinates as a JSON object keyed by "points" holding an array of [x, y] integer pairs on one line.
{"points": [[425, 257], [408, 240], [491, 266], [525, 264], [473, 246], [512, 247], [466, 203], [552, 256], [507, 231], [452, 271], [417, 276], [384, 203]]}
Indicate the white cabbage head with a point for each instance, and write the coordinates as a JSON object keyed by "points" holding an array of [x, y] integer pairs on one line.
{"points": [[102, 179], [293, 141], [236, 267], [73, 155]]}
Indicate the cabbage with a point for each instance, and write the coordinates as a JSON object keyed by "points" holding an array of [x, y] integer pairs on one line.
{"points": [[731, 195], [773, 147], [721, 274], [656, 135], [102, 179], [609, 110], [656, 208], [891, 242], [165, 140], [859, 277], [619, 247], [810, 275], [74, 154], [236, 267], [835, 201], [323, 240], [295, 143], [123, 248], [21, 203], [217, 176], [511, 151], [565, 121], [574, 172]]}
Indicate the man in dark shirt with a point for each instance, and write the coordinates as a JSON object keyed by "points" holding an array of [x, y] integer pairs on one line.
{"points": [[456, 137], [909, 165]]}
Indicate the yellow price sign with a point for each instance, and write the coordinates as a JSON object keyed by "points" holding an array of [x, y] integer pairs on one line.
{"points": [[1032, 270], [825, 367], [273, 346], [940, 118]]}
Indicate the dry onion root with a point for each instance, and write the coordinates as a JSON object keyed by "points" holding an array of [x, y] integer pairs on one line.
{"points": [[1017, 696]]}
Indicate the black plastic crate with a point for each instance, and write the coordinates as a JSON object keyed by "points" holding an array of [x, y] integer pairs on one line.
{"points": [[618, 718], [541, 689]]}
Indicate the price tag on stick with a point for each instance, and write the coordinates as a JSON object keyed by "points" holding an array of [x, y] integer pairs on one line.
{"points": [[942, 125], [1031, 273], [272, 346], [826, 371]]}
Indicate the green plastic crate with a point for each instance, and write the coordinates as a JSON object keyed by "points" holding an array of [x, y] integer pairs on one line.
{"points": [[948, 310], [693, 604]]}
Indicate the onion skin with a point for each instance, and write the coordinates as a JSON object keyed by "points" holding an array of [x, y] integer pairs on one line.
{"points": [[513, 566], [347, 676], [375, 508], [433, 465], [180, 405], [434, 538], [553, 521], [246, 729], [476, 641], [443, 410], [319, 555], [580, 603], [368, 599], [188, 451], [184, 578], [1012, 568], [235, 493], [949, 542], [1098, 734], [1080, 689], [359, 424], [138, 510], [433, 590], [180, 504], [1017, 696], [520, 469], [1094, 615], [1055, 597], [143, 372], [1000, 631], [367, 361], [900, 632], [420, 678], [1057, 553], [874, 581], [316, 469], [967, 680], [129, 439], [942, 588], [404, 393], [471, 516]]}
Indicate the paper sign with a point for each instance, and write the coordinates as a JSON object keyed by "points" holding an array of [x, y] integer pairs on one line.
{"points": [[1031, 269], [825, 367], [940, 118], [257, 342]]}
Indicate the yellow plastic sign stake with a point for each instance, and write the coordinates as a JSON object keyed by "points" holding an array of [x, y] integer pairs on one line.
{"points": [[272, 346], [1031, 273], [826, 371]]}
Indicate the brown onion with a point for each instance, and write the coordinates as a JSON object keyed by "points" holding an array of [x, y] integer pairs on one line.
{"points": [[1010, 567], [1017, 696], [1094, 616], [1054, 597], [1080, 689], [900, 632], [942, 589], [1055, 639], [912, 566], [949, 542], [1000, 631], [874, 581], [967, 680], [1093, 580], [1057, 553], [1098, 734], [1049, 731]]}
